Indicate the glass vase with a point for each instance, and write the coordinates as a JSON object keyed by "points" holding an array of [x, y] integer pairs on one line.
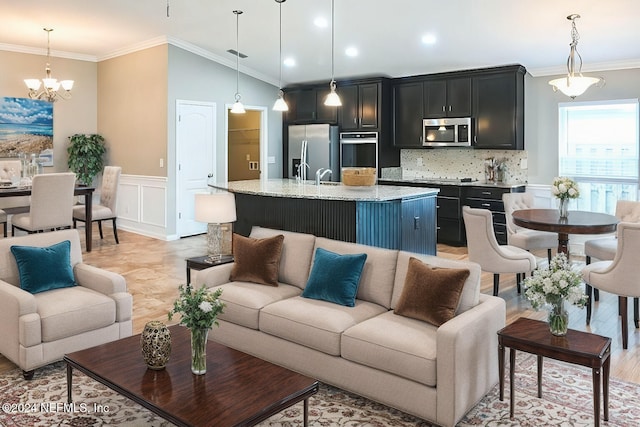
{"points": [[563, 208], [199, 350], [558, 317]]}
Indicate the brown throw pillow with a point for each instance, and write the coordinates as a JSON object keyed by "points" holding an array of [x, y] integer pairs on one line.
{"points": [[256, 260], [431, 293]]}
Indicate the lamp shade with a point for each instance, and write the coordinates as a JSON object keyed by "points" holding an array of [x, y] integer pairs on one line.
{"points": [[215, 208]]}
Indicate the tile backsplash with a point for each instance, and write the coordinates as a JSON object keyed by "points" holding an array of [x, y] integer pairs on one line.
{"points": [[455, 163]]}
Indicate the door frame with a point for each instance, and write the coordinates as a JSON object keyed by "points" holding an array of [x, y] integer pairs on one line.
{"points": [[264, 149]]}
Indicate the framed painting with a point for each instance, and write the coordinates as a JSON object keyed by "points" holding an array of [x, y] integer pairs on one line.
{"points": [[26, 126]]}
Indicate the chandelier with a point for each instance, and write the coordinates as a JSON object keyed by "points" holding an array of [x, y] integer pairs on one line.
{"points": [[573, 85], [50, 91]]}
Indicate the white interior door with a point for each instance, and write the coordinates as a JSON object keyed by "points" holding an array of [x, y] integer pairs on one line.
{"points": [[195, 147]]}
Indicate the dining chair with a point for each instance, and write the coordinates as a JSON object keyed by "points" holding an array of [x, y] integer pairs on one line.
{"points": [[483, 248], [51, 204], [3, 221], [107, 208], [618, 276], [529, 240]]}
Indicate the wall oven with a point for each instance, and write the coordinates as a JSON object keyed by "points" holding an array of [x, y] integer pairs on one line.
{"points": [[359, 150], [446, 132]]}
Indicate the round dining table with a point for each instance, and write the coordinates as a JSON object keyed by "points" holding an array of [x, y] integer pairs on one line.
{"points": [[577, 222]]}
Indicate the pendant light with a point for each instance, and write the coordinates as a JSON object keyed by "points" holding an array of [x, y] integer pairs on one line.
{"points": [[573, 85], [332, 100], [280, 104], [237, 107], [51, 87]]}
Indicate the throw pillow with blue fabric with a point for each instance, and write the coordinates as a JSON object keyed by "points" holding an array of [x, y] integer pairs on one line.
{"points": [[44, 269], [335, 277]]}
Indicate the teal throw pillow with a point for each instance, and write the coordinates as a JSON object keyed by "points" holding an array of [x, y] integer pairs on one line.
{"points": [[43, 269], [334, 277]]}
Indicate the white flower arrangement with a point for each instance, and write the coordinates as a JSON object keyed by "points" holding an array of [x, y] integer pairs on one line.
{"points": [[558, 282], [199, 309], [565, 188]]}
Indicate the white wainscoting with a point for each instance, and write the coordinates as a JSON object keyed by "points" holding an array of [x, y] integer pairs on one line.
{"points": [[142, 205]]}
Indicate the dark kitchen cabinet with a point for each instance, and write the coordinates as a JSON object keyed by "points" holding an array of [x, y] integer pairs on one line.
{"points": [[450, 230], [490, 198], [306, 105], [447, 97], [407, 114], [360, 106], [498, 109]]}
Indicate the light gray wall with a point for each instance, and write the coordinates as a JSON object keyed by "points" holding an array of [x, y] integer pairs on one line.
{"points": [[541, 116]]}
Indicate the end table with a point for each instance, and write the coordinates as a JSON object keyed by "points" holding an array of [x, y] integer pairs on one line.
{"points": [[201, 262]]}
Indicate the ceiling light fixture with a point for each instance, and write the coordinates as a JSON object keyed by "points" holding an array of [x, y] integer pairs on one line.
{"points": [[280, 104], [51, 86], [573, 85], [237, 107], [332, 100]]}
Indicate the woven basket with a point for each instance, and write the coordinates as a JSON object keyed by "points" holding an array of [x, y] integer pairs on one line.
{"points": [[359, 177]]}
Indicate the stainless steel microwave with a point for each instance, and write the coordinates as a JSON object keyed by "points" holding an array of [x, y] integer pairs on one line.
{"points": [[446, 132]]}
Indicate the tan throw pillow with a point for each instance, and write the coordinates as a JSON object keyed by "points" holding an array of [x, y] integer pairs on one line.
{"points": [[256, 260], [431, 293]]}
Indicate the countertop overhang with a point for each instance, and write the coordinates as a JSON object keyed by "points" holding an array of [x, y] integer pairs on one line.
{"points": [[326, 191]]}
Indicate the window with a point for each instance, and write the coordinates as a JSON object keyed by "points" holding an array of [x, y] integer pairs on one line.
{"points": [[598, 144]]}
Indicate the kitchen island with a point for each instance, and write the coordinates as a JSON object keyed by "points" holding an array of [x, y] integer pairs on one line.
{"points": [[393, 217]]}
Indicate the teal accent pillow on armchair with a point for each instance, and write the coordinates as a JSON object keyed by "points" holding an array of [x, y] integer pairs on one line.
{"points": [[44, 269], [334, 277]]}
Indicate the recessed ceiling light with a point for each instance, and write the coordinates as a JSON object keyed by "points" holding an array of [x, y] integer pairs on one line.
{"points": [[289, 62], [351, 51], [321, 22], [429, 39]]}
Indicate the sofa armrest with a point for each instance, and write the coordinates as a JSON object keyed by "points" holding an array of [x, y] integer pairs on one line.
{"points": [[467, 363], [16, 307], [213, 276], [98, 279]]}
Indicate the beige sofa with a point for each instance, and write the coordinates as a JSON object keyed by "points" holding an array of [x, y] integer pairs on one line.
{"points": [[436, 373], [40, 328]]}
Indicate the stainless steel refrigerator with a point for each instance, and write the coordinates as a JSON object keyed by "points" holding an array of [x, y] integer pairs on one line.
{"points": [[318, 146]]}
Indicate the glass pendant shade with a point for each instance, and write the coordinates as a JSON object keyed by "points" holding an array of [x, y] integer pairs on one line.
{"points": [[50, 86], [237, 107], [280, 104], [333, 100]]}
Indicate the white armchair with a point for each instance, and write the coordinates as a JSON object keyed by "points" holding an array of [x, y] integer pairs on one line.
{"points": [[484, 249], [40, 328]]}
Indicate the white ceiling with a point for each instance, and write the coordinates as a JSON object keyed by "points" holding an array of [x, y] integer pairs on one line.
{"points": [[469, 33]]}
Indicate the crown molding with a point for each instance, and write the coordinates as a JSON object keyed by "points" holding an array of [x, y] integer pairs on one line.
{"points": [[592, 68], [43, 52]]}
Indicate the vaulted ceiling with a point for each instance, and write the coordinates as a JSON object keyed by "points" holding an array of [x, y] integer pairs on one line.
{"points": [[387, 34]]}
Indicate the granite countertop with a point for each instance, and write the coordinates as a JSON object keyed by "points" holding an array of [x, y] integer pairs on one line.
{"points": [[441, 181], [329, 191]]}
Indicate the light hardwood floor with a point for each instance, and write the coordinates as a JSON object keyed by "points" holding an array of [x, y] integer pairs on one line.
{"points": [[154, 269]]}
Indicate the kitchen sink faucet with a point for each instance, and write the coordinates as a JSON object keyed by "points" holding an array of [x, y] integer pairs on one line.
{"points": [[320, 173]]}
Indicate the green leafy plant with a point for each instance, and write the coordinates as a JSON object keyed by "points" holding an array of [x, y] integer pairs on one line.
{"points": [[199, 309], [86, 156]]}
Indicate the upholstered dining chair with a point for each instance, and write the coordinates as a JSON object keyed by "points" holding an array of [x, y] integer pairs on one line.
{"points": [[618, 276], [524, 238], [3, 221], [483, 248], [107, 208], [51, 204]]}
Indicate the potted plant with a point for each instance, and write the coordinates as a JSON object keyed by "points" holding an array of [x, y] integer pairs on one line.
{"points": [[86, 156]]}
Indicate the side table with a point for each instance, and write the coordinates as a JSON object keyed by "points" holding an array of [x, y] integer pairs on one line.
{"points": [[201, 262], [580, 348]]}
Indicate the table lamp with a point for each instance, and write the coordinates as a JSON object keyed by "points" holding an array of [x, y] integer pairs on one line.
{"points": [[218, 210]]}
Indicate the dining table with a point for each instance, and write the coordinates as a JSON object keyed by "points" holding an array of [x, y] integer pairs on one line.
{"points": [[80, 190], [576, 222]]}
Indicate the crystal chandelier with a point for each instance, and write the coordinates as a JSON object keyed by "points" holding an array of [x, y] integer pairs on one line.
{"points": [[573, 85], [50, 91]]}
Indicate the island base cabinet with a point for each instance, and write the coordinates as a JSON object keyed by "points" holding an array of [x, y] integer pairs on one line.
{"points": [[419, 225]]}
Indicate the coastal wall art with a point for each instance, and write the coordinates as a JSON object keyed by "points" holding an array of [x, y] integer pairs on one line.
{"points": [[26, 126]]}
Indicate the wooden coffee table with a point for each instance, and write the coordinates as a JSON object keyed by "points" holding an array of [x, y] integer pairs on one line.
{"points": [[237, 390], [580, 348]]}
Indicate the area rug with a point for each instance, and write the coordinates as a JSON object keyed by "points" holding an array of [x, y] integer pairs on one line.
{"points": [[567, 401]]}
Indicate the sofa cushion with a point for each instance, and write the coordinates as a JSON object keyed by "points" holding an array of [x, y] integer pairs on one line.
{"points": [[72, 311], [44, 268], [395, 344], [431, 294], [244, 300], [376, 281], [470, 292], [297, 251], [334, 277], [256, 260], [314, 323]]}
